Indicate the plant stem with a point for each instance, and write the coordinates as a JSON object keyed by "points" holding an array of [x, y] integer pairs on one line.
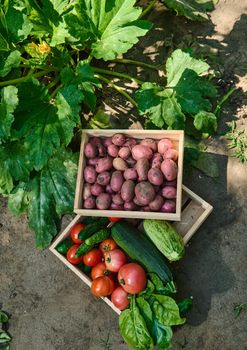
{"points": [[117, 88], [136, 63], [53, 94], [90, 57], [148, 9], [53, 83], [223, 100], [117, 74], [22, 79]]}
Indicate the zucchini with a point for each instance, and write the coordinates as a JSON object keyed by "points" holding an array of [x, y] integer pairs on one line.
{"points": [[139, 248], [83, 249], [64, 245], [92, 228], [165, 238], [98, 237]]}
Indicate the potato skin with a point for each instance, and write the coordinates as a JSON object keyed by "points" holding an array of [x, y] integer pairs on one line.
{"points": [[170, 183], [109, 190], [86, 191], [156, 160], [142, 167], [169, 192], [92, 161], [116, 180], [124, 152], [130, 142], [157, 203], [113, 150], [119, 164], [131, 161], [104, 178], [96, 189], [127, 190], [130, 206], [164, 145], [90, 150], [107, 141], [90, 174], [140, 151], [169, 169], [149, 143], [118, 139], [89, 203], [171, 154], [117, 199], [115, 206], [155, 176], [101, 150], [130, 174], [169, 206], [103, 164], [103, 201], [137, 202], [95, 140], [144, 192]]}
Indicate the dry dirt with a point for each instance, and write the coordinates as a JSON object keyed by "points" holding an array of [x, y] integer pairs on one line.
{"points": [[50, 307]]}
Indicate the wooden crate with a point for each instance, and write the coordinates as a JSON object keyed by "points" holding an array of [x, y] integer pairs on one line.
{"points": [[178, 139], [194, 212]]}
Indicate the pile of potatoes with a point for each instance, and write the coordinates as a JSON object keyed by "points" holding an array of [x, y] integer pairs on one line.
{"points": [[124, 173]]}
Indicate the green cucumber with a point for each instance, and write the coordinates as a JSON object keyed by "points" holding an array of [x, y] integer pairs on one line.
{"points": [[90, 229], [139, 248], [83, 249], [165, 238], [64, 245], [98, 237]]}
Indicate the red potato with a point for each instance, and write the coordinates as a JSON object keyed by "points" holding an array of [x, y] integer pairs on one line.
{"points": [[137, 202], [113, 150], [117, 199], [103, 201], [170, 169], [118, 139], [90, 150], [171, 154], [164, 145], [156, 188], [130, 142], [169, 206], [109, 190], [86, 191], [131, 161], [115, 206], [103, 164], [117, 180], [95, 140], [92, 161], [140, 151], [127, 190], [146, 208], [130, 206], [124, 152], [90, 174], [89, 203], [157, 203], [149, 143], [155, 176], [156, 160], [170, 183], [130, 174], [104, 178], [144, 192], [169, 192], [101, 150], [119, 164], [107, 141], [142, 166], [96, 189]]}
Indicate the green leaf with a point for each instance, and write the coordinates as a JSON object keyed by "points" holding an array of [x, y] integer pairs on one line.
{"points": [[145, 311], [134, 330], [205, 122], [18, 199], [185, 306], [52, 194], [3, 317], [4, 338], [100, 120], [9, 61], [162, 335], [159, 286], [192, 9], [9, 101], [166, 310], [6, 347]]}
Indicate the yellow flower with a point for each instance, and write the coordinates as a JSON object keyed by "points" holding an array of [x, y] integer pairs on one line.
{"points": [[44, 48]]}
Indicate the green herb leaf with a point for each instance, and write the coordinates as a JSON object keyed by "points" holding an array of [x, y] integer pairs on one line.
{"points": [[166, 310], [162, 335], [9, 61], [145, 311], [9, 101], [3, 317]]}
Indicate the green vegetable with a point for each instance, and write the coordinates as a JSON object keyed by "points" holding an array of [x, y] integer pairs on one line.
{"points": [[139, 248], [98, 237], [3, 317], [185, 306], [134, 329], [64, 245], [90, 229], [165, 238], [162, 335], [166, 310], [86, 269], [83, 249], [159, 287]]}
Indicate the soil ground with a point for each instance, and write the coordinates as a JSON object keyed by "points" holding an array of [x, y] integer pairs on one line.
{"points": [[50, 307]]}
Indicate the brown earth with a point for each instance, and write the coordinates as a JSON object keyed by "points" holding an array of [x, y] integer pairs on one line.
{"points": [[50, 307]]}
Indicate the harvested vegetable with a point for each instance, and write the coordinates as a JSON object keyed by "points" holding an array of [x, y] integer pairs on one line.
{"points": [[132, 277], [114, 259], [119, 298], [102, 286]]}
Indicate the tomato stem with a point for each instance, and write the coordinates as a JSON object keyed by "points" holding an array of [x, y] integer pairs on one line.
{"points": [[121, 281]]}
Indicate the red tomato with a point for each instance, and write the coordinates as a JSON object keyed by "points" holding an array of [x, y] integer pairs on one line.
{"points": [[112, 219], [119, 298], [107, 245], [93, 257], [114, 260], [102, 286], [71, 255], [99, 270], [74, 232], [132, 278]]}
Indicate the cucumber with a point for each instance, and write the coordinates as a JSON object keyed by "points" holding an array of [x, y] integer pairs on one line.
{"points": [[165, 238], [139, 248], [83, 249], [90, 229], [98, 237], [64, 246]]}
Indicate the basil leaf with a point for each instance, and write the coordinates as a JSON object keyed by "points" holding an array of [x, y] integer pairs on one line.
{"points": [[162, 335], [148, 291], [166, 310], [145, 311]]}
